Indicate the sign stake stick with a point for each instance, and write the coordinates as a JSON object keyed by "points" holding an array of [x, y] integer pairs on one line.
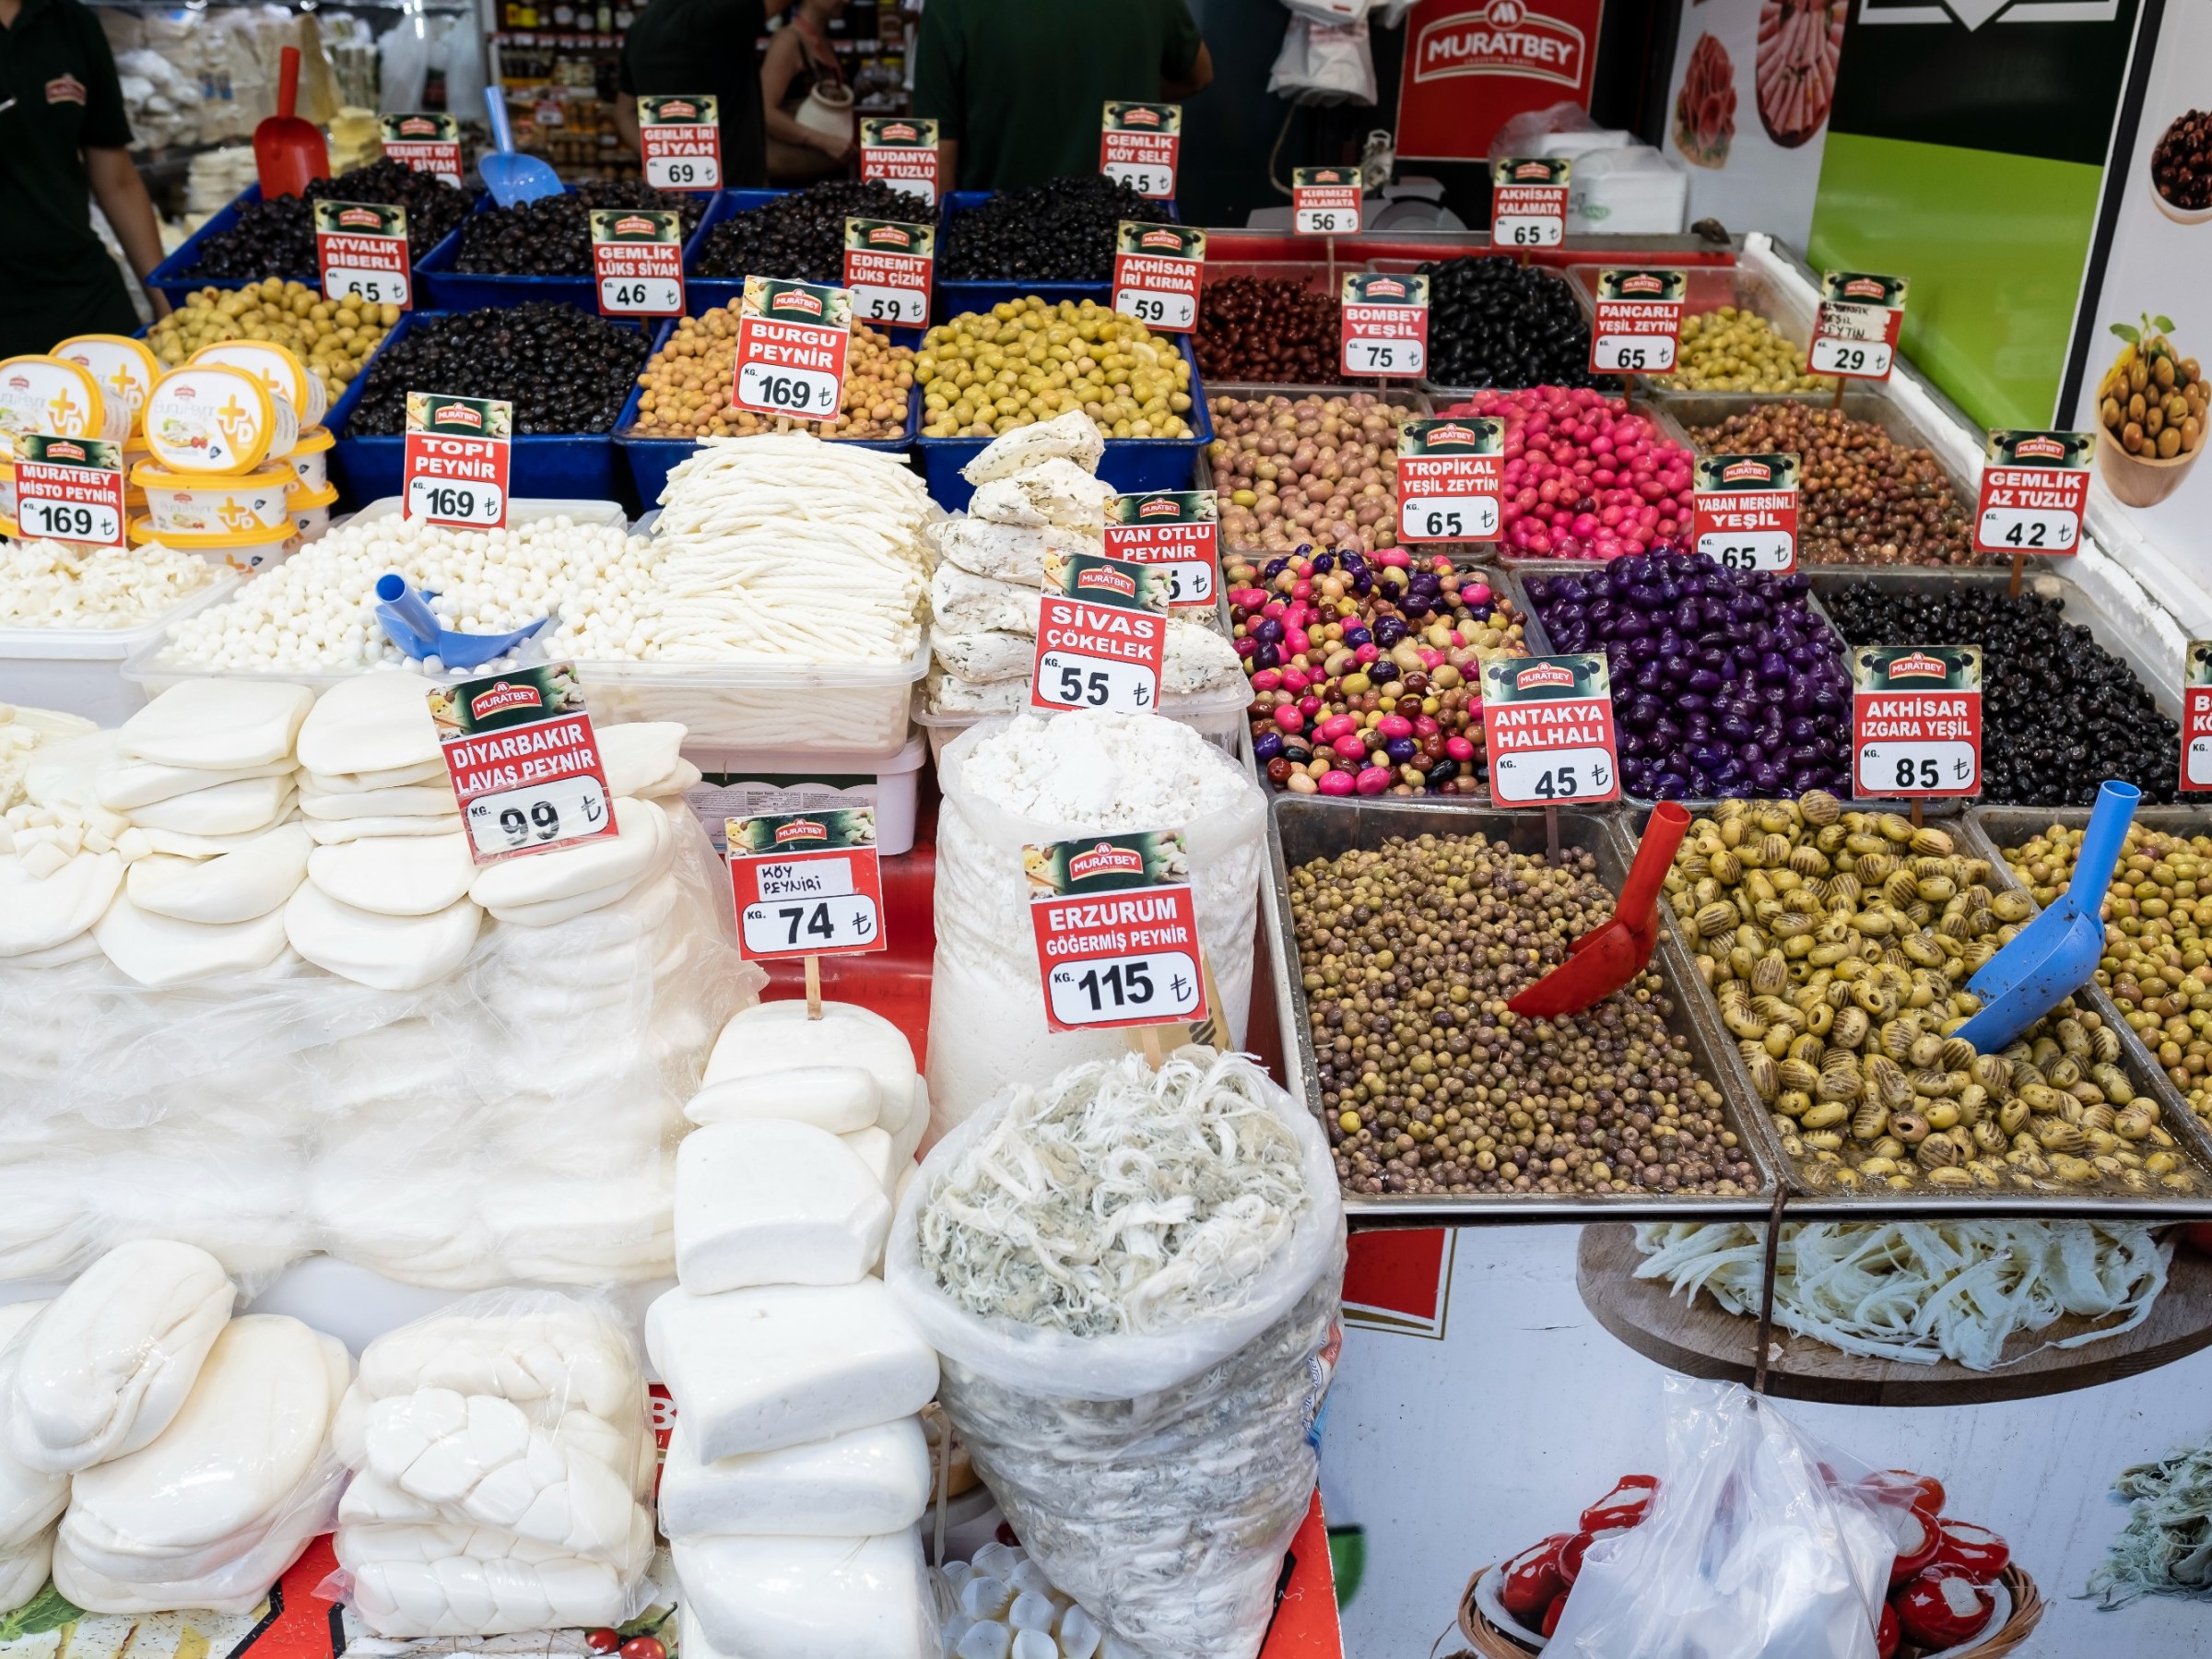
{"points": [[1837, 402], [1551, 834], [1766, 1292], [1919, 812], [2019, 562], [1149, 1036], [1329, 243], [813, 988]]}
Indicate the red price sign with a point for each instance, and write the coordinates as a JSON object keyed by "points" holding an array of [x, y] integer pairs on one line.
{"points": [[1744, 511], [1324, 201], [806, 883], [1386, 326], [1915, 721], [426, 143], [1177, 534], [679, 140], [792, 342], [524, 762], [1528, 202], [454, 460], [900, 151], [1451, 479], [2196, 716], [70, 489], [1548, 729], [361, 248], [1855, 330], [1639, 322], [1137, 146], [1157, 270], [2034, 486], [887, 268], [1101, 638], [638, 262], [1116, 930]]}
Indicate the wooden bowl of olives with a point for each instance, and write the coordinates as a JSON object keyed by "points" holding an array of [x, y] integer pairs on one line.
{"points": [[2151, 406]]}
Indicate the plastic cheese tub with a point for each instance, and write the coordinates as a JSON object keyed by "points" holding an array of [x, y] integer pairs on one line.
{"points": [[310, 510], [735, 782], [242, 551], [310, 459], [211, 417], [849, 712], [196, 504], [79, 670]]}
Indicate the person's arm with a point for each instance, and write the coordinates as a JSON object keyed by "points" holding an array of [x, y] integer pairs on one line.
{"points": [[121, 194], [626, 120], [780, 66], [1200, 77]]}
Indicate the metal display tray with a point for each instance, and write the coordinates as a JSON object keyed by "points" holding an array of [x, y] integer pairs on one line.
{"points": [[1806, 1204], [1997, 828], [1300, 829], [1402, 397]]}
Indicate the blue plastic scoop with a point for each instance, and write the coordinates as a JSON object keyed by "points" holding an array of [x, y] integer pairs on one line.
{"points": [[512, 179], [2056, 954], [412, 625]]}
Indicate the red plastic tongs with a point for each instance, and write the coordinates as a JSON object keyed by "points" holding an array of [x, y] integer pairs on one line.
{"points": [[1601, 962]]}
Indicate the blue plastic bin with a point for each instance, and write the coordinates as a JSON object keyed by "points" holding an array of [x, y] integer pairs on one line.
{"points": [[565, 469], [168, 279], [1130, 463], [651, 460], [451, 291], [702, 294], [954, 297]]}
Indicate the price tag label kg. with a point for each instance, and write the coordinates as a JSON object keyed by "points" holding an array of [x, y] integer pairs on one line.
{"points": [[362, 249], [887, 269], [426, 141], [637, 261], [806, 883], [1856, 328], [1177, 534], [1915, 721], [1116, 931], [1157, 272], [679, 141], [454, 460], [900, 151], [1101, 637], [1744, 511], [525, 761], [70, 489], [1324, 201], [1451, 477], [2034, 488], [1639, 322], [1548, 729], [1528, 201], [1386, 325], [2196, 716], [793, 339], [1138, 143]]}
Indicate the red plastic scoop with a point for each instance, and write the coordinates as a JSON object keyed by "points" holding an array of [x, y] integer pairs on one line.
{"points": [[1600, 963], [289, 153]]}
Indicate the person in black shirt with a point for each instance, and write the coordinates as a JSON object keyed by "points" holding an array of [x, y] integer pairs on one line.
{"points": [[699, 46], [64, 141]]}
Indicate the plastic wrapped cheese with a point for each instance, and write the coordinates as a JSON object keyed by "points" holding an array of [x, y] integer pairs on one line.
{"points": [[852, 1485], [756, 1370], [413, 1581], [811, 1598], [1072, 436], [760, 1202], [837, 1098], [108, 1364], [30, 1500], [773, 1039], [1057, 493]]}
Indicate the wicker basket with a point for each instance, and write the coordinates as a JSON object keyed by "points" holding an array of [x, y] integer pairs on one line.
{"points": [[1490, 1643]]}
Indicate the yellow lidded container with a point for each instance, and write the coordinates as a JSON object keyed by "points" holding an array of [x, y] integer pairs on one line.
{"points": [[209, 418]]}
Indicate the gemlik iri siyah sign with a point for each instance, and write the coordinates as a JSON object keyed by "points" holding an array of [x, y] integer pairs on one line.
{"points": [[1471, 65]]}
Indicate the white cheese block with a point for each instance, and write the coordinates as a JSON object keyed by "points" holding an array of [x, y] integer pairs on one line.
{"points": [[241, 809], [876, 1152], [78, 949], [552, 913], [1055, 492], [159, 951], [219, 724], [411, 800], [236, 1587], [337, 833], [388, 953], [763, 1202], [124, 785], [108, 1364], [811, 1598], [396, 777], [393, 874], [755, 1370], [1073, 437], [568, 1356], [907, 1138], [836, 1098], [372, 722], [857, 1484], [413, 1581], [38, 914], [639, 755], [772, 1037], [30, 1500], [24, 1572], [234, 887], [179, 843], [65, 772], [643, 839]]}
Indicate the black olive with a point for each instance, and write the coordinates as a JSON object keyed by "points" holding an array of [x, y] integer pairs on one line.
{"points": [[800, 237], [565, 370], [552, 236], [1495, 323], [1061, 231], [276, 237], [2059, 712]]}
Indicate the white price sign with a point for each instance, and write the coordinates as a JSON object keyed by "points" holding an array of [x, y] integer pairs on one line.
{"points": [[372, 288], [477, 504], [643, 296], [1553, 777], [1066, 680], [2025, 530], [808, 393], [899, 306], [848, 922], [1190, 580], [520, 820], [1173, 313], [1157, 987], [1749, 549], [1914, 768], [1523, 231], [1632, 354], [69, 521], [681, 173], [1326, 221], [1147, 179], [1868, 357], [1449, 518], [1403, 356]]}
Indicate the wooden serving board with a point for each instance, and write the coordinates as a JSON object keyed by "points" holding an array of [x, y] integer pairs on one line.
{"points": [[1700, 1339]]}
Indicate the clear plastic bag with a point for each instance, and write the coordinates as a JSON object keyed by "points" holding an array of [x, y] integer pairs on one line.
{"points": [[1156, 1478], [1325, 64], [1761, 1542], [502, 1452]]}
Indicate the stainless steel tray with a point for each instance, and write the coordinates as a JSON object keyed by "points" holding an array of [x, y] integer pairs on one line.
{"points": [[1994, 828], [1809, 1205], [1300, 829]]}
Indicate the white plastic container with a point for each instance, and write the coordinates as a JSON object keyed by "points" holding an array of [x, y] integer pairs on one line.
{"points": [[849, 712], [190, 504], [310, 511], [310, 458], [279, 368], [40, 394], [737, 782], [523, 510], [242, 551], [79, 670], [1217, 716], [206, 417]]}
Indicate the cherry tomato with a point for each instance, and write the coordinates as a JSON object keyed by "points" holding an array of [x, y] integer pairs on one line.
{"points": [[644, 1647], [602, 1640], [1974, 1550]]}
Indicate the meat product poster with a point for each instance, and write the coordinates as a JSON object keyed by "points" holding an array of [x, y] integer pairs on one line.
{"points": [[1471, 65]]}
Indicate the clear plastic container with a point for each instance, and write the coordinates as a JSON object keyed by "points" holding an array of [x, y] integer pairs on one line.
{"points": [[82, 670], [522, 510], [734, 780], [191, 504], [849, 710]]}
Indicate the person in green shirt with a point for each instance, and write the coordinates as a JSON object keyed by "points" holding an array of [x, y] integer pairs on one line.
{"points": [[1017, 87], [64, 141]]}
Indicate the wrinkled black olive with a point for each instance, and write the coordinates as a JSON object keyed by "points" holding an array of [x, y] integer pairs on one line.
{"points": [[565, 370], [1061, 231], [1494, 323], [2059, 712], [552, 236], [276, 237], [802, 236]]}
